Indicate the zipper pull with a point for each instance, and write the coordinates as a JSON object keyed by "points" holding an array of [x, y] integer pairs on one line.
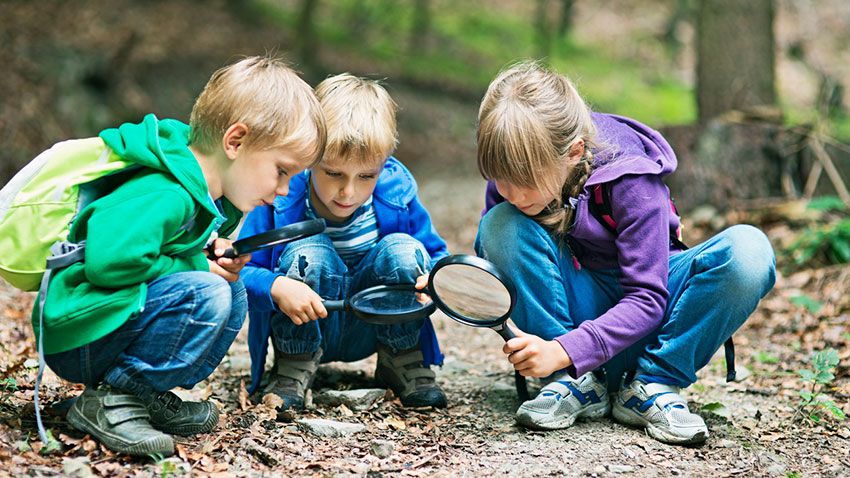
{"points": [[576, 263]]}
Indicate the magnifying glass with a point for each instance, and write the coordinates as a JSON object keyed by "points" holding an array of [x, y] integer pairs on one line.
{"points": [[385, 305], [473, 291], [466, 288], [264, 240]]}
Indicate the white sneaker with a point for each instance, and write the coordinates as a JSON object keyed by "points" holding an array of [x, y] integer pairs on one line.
{"points": [[563, 400], [662, 411]]}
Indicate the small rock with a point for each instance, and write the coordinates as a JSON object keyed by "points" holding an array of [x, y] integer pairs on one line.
{"points": [[382, 448], [358, 400], [77, 467], [31, 363], [621, 468], [330, 428], [726, 443], [501, 387], [599, 469]]}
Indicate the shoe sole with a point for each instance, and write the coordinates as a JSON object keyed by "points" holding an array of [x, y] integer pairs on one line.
{"points": [[163, 445], [629, 417], [539, 421], [186, 430]]}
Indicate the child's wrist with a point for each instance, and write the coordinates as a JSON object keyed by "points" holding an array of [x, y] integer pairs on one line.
{"points": [[564, 359]]}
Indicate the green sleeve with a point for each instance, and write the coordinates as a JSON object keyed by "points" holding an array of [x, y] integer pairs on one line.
{"points": [[125, 235]]}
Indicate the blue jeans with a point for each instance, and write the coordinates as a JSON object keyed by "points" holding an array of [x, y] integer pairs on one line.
{"points": [[713, 288], [188, 323], [395, 259]]}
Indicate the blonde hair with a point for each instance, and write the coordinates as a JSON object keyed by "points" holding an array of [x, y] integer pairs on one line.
{"points": [[529, 120], [361, 118], [264, 93]]}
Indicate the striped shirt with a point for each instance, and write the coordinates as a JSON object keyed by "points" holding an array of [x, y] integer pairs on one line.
{"points": [[356, 236]]}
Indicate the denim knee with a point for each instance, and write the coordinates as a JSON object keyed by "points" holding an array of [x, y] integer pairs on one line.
{"points": [[212, 296], [311, 258], [751, 264], [504, 233], [400, 258]]}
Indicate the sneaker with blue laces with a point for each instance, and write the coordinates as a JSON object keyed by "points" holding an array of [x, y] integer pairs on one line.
{"points": [[662, 411], [564, 400]]}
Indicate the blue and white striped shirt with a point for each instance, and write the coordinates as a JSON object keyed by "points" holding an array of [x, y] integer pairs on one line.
{"points": [[355, 237]]}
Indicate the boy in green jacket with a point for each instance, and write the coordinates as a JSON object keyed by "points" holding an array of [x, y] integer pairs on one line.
{"points": [[147, 311]]}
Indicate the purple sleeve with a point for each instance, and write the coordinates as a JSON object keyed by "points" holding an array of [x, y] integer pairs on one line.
{"points": [[641, 209], [491, 197]]}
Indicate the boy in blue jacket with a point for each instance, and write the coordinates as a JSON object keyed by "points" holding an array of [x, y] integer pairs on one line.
{"points": [[378, 233]]}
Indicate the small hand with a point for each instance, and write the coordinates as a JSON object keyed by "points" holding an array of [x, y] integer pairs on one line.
{"points": [[532, 356], [227, 268], [297, 300], [421, 284]]}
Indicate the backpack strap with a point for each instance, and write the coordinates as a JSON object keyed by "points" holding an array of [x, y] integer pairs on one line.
{"points": [[63, 254], [599, 206]]}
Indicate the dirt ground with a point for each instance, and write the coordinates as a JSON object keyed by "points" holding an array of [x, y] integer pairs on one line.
{"points": [[754, 427], [753, 431]]}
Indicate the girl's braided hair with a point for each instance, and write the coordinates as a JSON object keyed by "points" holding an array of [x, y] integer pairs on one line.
{"points": [[530, 125]]}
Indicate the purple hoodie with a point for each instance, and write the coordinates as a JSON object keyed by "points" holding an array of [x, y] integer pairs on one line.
{"points": [[633, 158]]}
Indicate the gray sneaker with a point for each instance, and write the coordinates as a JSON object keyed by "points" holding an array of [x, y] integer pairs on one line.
{"points": [[292, 376], [120, 421], [172, 415], [662, 411], [564, 400], [411, 380]]}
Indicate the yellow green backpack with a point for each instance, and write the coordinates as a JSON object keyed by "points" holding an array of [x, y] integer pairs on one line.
{"points": [[39, 203]]}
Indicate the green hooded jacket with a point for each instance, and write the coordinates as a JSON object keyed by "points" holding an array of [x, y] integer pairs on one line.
{"points": [[154, 224]]}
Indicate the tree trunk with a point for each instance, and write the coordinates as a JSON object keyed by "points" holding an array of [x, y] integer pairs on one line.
{"points": [[421, 27], [542, 34], [308, 43], [565, 23], [735, 51]]}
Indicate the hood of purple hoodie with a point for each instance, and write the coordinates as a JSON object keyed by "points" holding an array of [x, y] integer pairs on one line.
{"points": [[625, 146]]}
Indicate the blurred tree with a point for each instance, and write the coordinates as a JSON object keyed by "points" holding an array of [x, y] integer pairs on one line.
{"points": [[542, 31], [565, 24], [420, 31], [306, 38], [735, 57]]}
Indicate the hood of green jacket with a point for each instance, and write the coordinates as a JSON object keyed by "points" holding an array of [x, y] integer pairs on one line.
{"points": [[162, 145]]}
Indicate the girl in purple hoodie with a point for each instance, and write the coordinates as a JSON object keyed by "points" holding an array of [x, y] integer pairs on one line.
{"points": [[616, 306]]}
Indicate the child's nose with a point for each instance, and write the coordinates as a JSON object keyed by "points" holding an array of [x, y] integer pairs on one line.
{"points": [[282, 188]]}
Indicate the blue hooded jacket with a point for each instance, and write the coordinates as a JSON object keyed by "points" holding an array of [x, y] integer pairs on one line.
{"points": [[397, 209]]}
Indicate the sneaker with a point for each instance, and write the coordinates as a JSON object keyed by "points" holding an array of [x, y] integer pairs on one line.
{"points": [[292, 376], [411, 380], [662, 411], [564, 400], [120, 421], [172, 415]]}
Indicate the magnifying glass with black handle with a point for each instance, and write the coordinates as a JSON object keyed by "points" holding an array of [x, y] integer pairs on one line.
{"points": [[468, 289], [275, 237]]}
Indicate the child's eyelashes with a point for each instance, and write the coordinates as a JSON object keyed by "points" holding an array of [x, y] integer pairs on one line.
{"points": [[367, 177], [282, 172]]}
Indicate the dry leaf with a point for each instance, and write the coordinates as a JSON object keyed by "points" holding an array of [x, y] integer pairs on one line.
{"points": [[395, 423]]}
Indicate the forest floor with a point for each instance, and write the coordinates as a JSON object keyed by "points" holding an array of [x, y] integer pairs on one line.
{"points": [[756, 425]]}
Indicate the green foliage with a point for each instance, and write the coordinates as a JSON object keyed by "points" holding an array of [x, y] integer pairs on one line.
{"points": [[807, 302], [764, 357], [816, 405], [468, 44], [827, 203], [821, 244], [52, 446]]}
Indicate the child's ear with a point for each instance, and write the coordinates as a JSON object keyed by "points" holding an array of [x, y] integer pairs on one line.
{"points": [[577, 149], [233, 139]]}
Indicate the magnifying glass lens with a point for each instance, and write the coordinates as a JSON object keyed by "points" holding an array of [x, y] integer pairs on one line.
{"points": [[387, 302], [472, 293]]}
